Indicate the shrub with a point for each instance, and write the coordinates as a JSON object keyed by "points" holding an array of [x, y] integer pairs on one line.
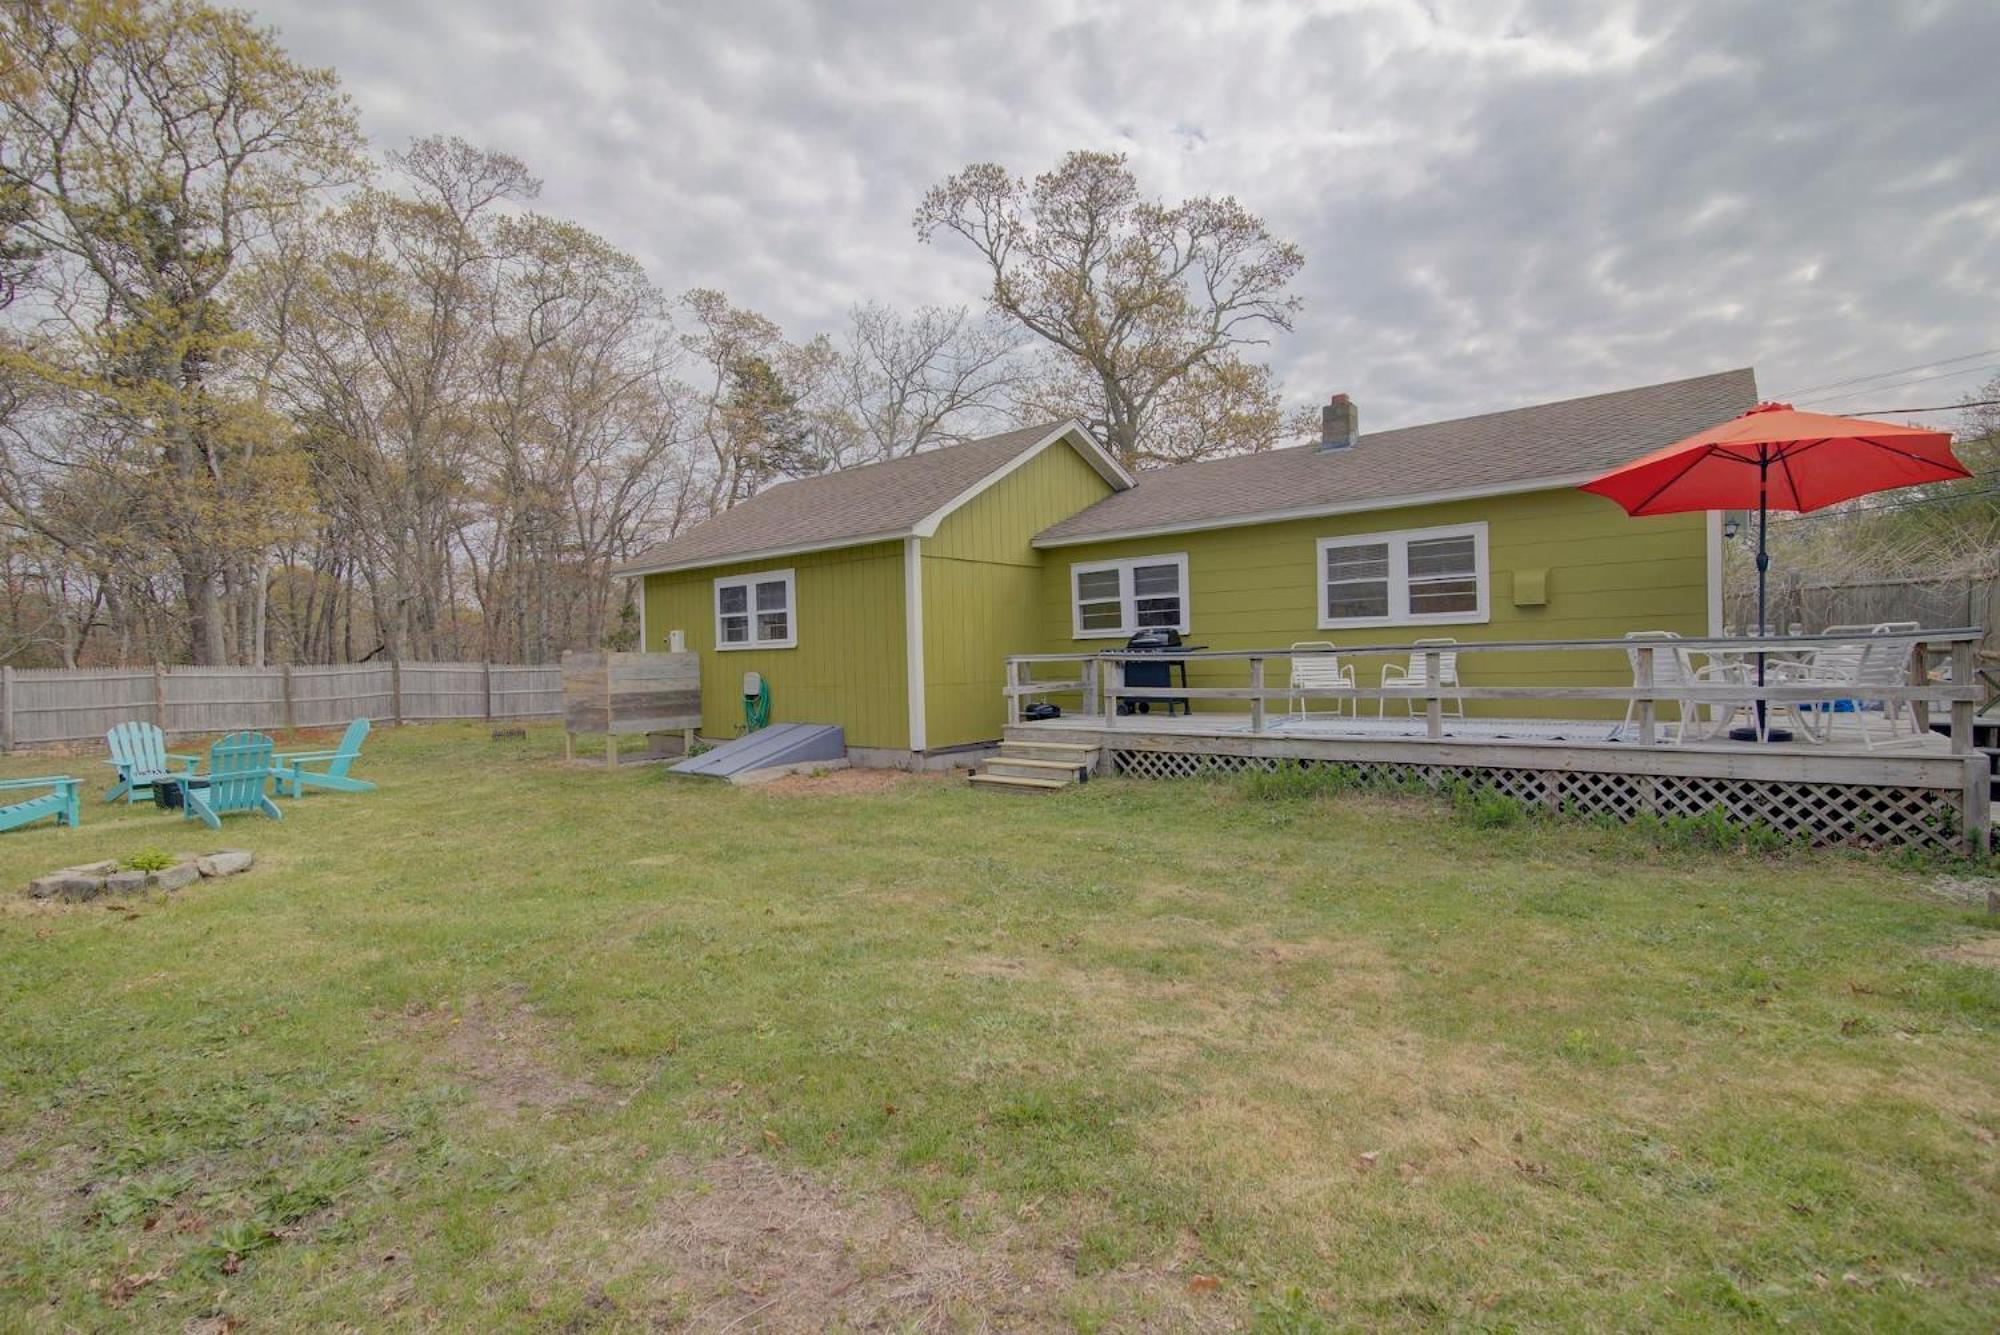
{"points": [[1491, 810], [1713, 831], [148, 859], [1294, 780]]}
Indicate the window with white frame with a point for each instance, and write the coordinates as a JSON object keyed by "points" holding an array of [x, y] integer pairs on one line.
{"points": [[755, 611], [1427, 576], [1122, 597]]}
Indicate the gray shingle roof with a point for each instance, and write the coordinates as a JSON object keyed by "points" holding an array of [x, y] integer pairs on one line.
{"points": [[1548, 441], [880, 500]]}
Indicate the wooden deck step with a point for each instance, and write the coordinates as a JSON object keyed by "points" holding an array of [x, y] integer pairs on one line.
{"points": [[1012, 783], [1050, 750], [1072, 771]]}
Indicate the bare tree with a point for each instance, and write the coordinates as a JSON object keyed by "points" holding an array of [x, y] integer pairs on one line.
{"points": [[935, 377], [763, 408], [1139, 294], [1225, 406], [382, 374], [578, 423]]}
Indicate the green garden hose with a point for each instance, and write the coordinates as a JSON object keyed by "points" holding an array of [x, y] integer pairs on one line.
{"points": [[757, 708]]}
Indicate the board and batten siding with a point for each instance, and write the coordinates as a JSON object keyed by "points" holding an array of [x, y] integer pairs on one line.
{"points": [[1257, 587], [848, 667], [983, 588]]}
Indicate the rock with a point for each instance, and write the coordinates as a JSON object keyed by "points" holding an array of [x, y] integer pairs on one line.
{"points": [[174, 877], [69, 883], [226, 862], [125, 883], [104, 868]]}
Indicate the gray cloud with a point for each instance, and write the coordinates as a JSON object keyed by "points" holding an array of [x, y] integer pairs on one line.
{"points": [[1499, 203]]}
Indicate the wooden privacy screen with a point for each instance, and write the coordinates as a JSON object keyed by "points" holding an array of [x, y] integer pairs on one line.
{"points": [[622, 694]]}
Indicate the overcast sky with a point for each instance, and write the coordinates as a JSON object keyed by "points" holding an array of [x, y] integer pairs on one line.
{"points": [[1499, 203]]}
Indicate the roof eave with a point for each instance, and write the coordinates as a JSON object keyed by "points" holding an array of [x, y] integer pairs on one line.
{"points": [[637, 568], [1319, 511]]}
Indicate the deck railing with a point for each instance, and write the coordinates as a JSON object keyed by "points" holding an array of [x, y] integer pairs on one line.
{"points": [[1099, 679]]}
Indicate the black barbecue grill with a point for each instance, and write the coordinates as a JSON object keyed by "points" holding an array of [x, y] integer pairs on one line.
{"points": [[1155, 674]]}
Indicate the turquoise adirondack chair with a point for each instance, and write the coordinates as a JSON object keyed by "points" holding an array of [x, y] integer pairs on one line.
{"points": [[238, 767], [294, 778], [139, 750], [63, 801]]}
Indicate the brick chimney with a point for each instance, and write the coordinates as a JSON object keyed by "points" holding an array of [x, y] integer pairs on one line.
{"points": [[1339, 424]]}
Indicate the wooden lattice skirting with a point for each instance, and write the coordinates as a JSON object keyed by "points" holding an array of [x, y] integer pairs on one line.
{"points": [[1869, 815]]}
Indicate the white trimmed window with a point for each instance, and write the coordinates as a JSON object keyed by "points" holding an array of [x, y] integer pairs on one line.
{"points": [[756, 611], [1417, 577], [1113, 598]]}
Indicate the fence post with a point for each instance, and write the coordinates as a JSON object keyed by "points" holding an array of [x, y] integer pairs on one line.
{"points": [[1117, 688], [1257, 700], [160, 696], [6, 709], [1919, 674], [291, 711], [1963, 678], [1647, 718], [1976, 806], [1013, 688], [396, 689], [1092, 701], [488, 666], [1433, 696], [1646, 714]]}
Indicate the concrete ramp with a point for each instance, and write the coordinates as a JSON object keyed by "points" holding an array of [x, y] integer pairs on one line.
{"points": [[775, 747]]}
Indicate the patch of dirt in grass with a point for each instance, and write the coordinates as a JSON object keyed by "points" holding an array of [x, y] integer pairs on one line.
{"points": [[501, 1048], [1964, 889], [842, 783], [47, 1194], [17, 904], [753, 1246], [1983, 951], [1311, 1122]]}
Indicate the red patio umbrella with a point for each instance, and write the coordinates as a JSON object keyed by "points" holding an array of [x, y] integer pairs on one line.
{"points": [[1778, 458]]}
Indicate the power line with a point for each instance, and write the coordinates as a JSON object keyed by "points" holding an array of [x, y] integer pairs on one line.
{"points": [[1937, 408], [1901, 384], [1889, 507], [1879, 375]]}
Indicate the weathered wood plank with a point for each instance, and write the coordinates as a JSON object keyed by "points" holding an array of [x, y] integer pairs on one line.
{"points": [[626, 694]]}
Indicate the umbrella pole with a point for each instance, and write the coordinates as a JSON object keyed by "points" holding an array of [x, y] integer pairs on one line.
{"points": [[1763, 574], [1762, 731]]}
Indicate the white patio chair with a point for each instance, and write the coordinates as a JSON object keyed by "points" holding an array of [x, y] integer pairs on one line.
{"points": [[1674, 670], [1878, 656], [1317, 670], [1410, 681]]}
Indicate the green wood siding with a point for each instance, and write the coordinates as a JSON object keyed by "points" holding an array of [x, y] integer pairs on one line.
{"points": [[1256, 587], [983, 588], [849, 665]]}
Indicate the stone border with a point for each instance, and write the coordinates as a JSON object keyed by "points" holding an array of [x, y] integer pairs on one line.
{"points": [[92, 879]]}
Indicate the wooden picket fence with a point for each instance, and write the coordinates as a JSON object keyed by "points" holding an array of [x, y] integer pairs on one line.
{"points": [[40, 706]]}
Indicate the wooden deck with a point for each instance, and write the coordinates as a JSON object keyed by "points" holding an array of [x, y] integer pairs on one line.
{"points": [[1869, 784], [1591, 732]]}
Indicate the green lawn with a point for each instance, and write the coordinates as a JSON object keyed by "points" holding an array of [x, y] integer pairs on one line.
{"points": [[517, 1045]]}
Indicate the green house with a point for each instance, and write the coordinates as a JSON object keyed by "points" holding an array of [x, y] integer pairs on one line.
{"points": [[886, 598]]}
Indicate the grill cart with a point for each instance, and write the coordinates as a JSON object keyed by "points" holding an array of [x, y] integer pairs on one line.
{"points": [[1155, 674]]}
